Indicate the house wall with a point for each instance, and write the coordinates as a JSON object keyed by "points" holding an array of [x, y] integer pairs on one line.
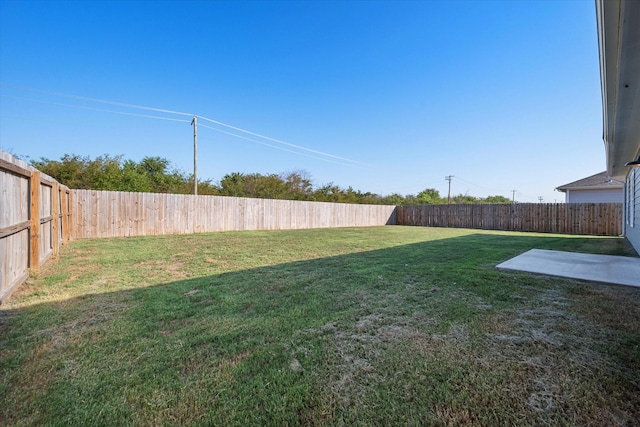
{"points": [[631, 214], [613, 195]]}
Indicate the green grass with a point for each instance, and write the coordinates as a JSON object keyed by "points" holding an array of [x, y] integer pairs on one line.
{"points": [[367, 326]]}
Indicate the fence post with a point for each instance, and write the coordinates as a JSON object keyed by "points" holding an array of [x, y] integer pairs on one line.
{"points": [[71, 214], [55, 219], [64, 221], [34, 221]]}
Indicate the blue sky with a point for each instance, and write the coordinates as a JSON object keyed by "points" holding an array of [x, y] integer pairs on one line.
{"points": [[504, 95]]}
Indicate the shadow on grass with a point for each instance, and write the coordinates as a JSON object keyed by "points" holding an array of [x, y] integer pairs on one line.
{"points": [[315, 341]]}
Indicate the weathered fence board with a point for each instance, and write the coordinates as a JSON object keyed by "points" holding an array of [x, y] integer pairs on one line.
{"points": [[599, 219], [45, 240], [31, 213], [122, 214]]}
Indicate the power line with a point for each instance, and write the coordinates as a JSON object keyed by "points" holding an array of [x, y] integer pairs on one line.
{"points": [[101, 101], [482, 187], [514, 192], [517, 192], [96, 109], [274, 146], [134, 106], [278, 141]]}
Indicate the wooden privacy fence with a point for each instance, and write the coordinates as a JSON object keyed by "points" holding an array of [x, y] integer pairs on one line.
{"points": [[37, 215], [34, 220], [120, 214], [600, 219]]}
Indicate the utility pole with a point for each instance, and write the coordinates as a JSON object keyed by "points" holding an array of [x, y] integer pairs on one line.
{"points": [[513, 197], [448, 178], [540, 199], [194, 122]]}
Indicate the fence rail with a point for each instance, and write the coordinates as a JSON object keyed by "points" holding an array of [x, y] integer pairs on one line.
{"points": [[34, 220], [599, 219], [121, 214]]}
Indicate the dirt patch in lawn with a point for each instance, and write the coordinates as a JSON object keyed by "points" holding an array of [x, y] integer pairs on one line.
{"points": [[558, 355], [355, 349]]}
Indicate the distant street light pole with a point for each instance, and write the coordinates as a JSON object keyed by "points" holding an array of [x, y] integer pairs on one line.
{"points": [[194, 122], [513, 197]]}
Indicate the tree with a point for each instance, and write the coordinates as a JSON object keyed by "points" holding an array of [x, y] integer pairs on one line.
{"points": [[254, 185], [155, 170], [232, 185], [102, 173], [430, 196], [327, 193], [106, 172], [497, 200], [155, 174], [299, 185], [464, 199], [68, 170], [132, 179], [393, 199]]}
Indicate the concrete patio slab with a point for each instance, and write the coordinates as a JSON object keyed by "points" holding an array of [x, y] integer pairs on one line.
{"points": [[618, 270]]}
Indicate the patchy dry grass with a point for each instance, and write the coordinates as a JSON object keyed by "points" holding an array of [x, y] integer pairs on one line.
{"points": [[370, 326]]}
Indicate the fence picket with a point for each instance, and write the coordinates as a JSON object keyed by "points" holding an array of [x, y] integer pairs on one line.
{"points": [[599, 219], [102, 214]]}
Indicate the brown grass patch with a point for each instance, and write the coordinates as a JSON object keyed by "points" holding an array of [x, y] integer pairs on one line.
{"points": [[221, 369]]}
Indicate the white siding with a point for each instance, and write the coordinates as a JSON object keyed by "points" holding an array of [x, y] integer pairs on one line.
{"points": [[632, 208], [614, 195]]}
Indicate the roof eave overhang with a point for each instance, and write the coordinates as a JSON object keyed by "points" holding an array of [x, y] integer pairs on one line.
{"points": [[592, 187], [618, 24]]}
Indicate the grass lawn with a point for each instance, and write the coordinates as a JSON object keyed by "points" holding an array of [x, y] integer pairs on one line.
{"points": [[367, 326]]}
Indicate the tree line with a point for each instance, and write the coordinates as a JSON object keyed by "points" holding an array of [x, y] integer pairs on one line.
{"points": [[157, 175]]}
